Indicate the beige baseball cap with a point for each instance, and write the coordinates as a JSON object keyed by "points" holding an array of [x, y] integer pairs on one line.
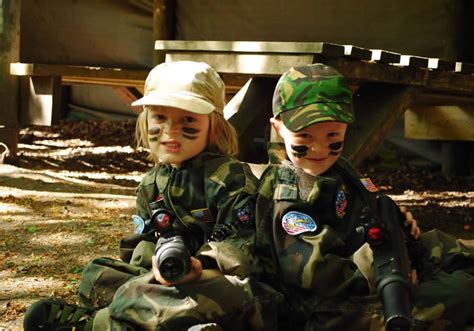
{"points": [[189, 85]]}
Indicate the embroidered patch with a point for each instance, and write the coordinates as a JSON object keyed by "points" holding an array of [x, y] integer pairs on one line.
{"points": [[138, 224], [204, 214], [367, 182], [296, 223], [246, 214], [341, 203]]}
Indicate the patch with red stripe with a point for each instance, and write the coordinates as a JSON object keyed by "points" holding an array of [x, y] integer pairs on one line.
{"points": [[367, 182]]}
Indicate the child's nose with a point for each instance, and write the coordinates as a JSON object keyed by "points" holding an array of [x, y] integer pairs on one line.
{"points": [[172, 126], [318, 148]]}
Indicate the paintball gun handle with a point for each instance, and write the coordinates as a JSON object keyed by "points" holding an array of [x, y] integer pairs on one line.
{"points": [[386, 237]]}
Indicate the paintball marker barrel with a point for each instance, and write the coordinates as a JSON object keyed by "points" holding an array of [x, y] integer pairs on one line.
{"points": [[386, 237]]}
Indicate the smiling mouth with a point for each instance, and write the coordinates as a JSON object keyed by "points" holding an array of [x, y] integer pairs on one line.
{"points": [[171, 146], [317, 159]]}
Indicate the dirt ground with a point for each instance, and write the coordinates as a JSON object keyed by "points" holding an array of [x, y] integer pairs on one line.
{"points": [[68, 195]]}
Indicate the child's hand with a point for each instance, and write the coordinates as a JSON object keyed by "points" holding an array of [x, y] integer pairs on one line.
{"points": [[194, 274], [413, 276], [410, 222]]}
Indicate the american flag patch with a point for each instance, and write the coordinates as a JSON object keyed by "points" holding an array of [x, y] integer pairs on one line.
{"points": [[202, 214], [295, 223], [367, 182], [341, 203]]}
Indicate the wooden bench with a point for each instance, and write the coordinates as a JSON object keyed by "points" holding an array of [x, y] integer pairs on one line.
{"points": [[41, 86], [385, 84]]}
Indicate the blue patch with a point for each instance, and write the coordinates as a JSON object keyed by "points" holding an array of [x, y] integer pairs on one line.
{"points": [[138, 224], [296, 223]]}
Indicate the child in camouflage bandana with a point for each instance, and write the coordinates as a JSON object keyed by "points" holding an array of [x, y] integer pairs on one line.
{"points": [[308, 214], [208, 198]]}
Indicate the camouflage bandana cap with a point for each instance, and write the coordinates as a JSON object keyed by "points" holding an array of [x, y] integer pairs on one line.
{"points": [[310, 94]]}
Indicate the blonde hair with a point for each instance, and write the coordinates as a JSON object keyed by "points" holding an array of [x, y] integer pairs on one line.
{"points": [[222, 135]]}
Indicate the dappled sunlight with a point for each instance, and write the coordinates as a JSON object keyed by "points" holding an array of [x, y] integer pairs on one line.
{"points": [[12, 287], [447, 199], [72, 151], [60, 238], [9, 208]]}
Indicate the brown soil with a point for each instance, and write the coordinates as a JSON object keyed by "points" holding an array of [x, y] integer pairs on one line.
{"points": [[67, 198]]}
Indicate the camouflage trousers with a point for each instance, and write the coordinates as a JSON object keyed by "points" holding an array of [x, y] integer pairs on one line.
{"points": [[103, 276], [232, 303], [442, 300]]}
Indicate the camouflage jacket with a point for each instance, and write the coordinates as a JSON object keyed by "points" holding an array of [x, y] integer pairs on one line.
{"points": [[306, 231], [213, 199]]}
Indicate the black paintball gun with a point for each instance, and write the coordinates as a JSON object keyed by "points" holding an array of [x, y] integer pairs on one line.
{"points": [[388, 241], [172, 255]]}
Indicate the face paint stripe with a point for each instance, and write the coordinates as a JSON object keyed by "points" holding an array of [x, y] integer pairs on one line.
{"points": [[154, 130], [299, 150], [335, 146], [191, 130], [187, 136]]}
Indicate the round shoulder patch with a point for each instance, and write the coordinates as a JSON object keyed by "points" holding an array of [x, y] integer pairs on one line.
{"points": [[138, 224], [295, 223]]}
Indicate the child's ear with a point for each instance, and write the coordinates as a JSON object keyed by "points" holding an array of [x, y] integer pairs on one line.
{"points": [[276, 124], [276, 134]]}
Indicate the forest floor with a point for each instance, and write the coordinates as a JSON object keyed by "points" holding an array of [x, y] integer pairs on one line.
{"points": [[68, 194]]}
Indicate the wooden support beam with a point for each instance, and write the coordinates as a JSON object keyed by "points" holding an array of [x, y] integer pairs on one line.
{"points": [[164, 18], [9, 52], [377, 108], [252, 120], [40, 100]]}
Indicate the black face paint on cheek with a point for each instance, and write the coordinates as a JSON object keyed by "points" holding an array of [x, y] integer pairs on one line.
{"points": [[335, 148], [190, 133], [299, 150], [154, 131]]}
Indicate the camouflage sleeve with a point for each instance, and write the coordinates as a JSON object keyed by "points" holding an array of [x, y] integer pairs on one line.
{"points": [[276, 152], [128, 245], [263, 262], [232, 189]]}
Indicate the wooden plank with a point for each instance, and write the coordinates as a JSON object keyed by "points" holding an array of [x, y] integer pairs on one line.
{"points": [[82, 74], [440, 122], [450, 82], [327, 49], [238, 63], [465, 68], [382, 56], [413, 61], [378, 72], [438, 64], [357, 52]]}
